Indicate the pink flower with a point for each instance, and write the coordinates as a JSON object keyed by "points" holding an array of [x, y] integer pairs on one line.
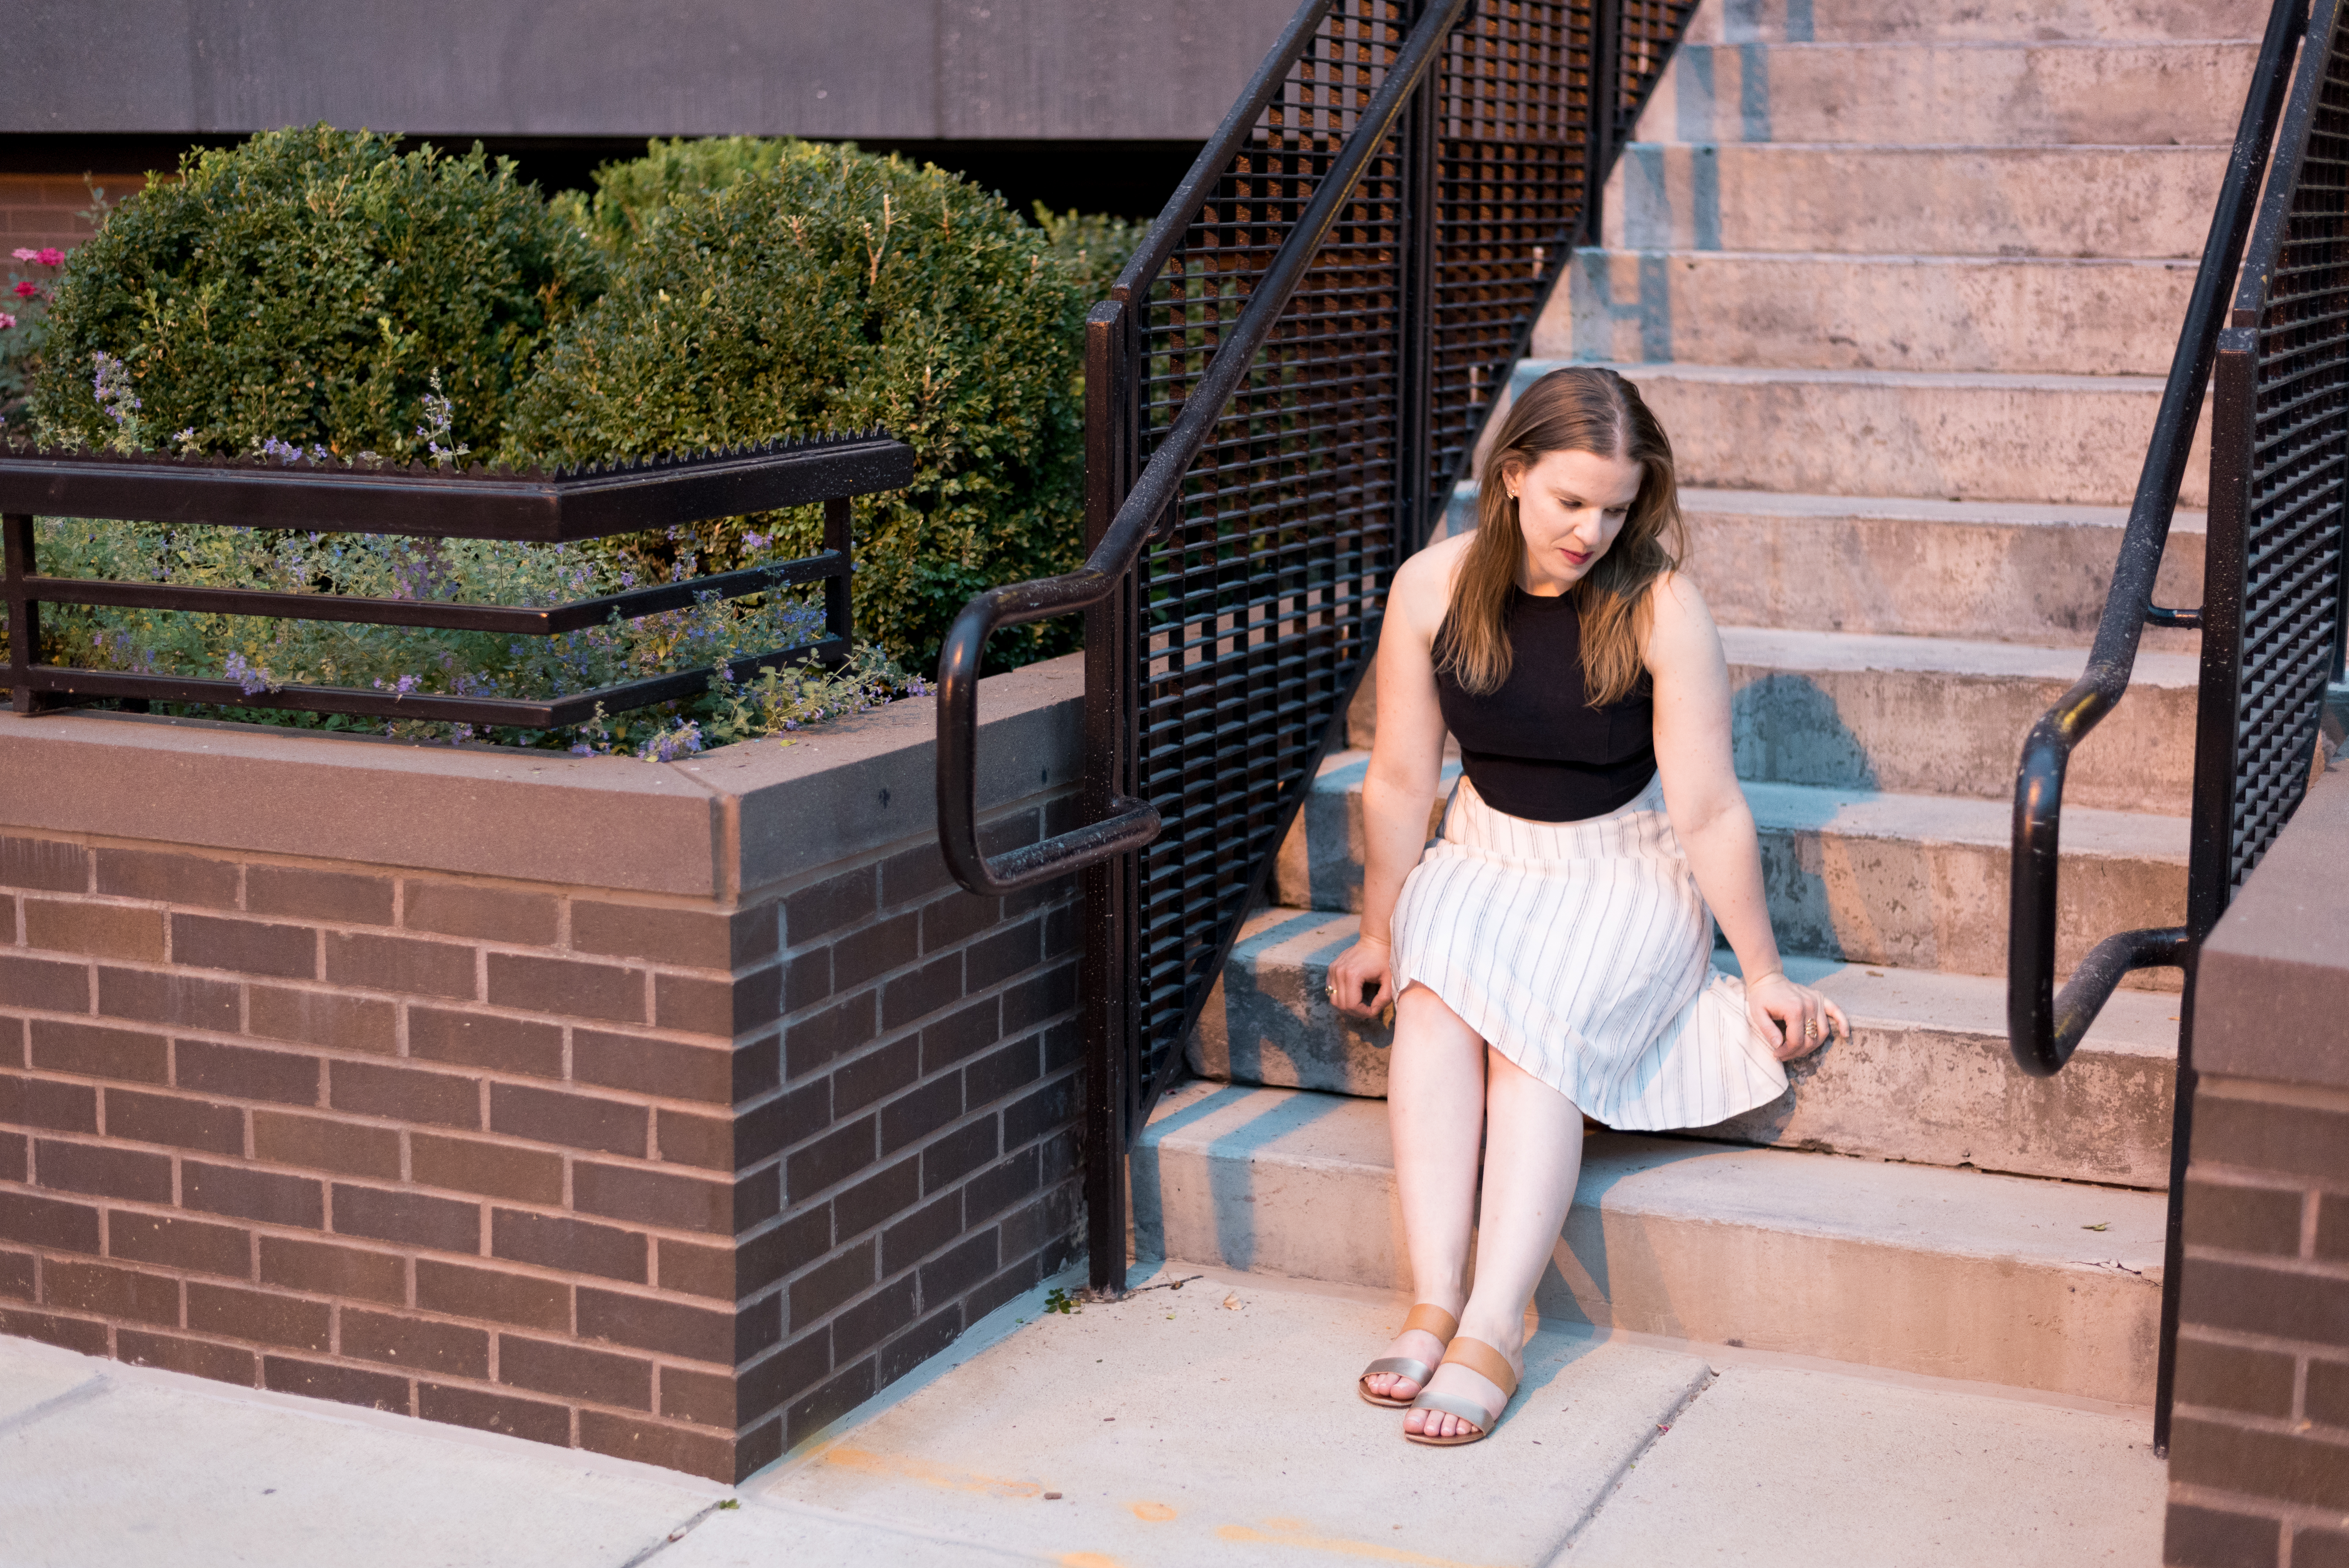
{"points": [[26, 254], [7, 320], [50, 256], [28, 290]]}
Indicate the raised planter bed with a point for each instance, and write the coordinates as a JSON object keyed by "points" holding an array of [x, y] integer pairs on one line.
{"points": [[665, 1110]]}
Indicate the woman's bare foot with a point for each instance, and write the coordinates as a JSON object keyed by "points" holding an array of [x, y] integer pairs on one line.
{"points": [[1460, 1383], [1415, 1344]]}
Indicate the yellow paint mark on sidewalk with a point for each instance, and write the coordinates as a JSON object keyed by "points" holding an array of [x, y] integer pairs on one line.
{"points": [[1088, 1560], [1154, 1512], [945, 1478], [1295, 1533]]}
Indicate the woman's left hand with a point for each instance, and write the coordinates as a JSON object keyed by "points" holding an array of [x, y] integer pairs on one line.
{"points": [[1796, 1019]]}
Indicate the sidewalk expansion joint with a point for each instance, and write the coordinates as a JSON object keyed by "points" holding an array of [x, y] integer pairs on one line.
{"points": [[1704, 1379]]}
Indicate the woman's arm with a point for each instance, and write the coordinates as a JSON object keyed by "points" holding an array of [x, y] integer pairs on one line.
{"points": [[1406, 766], [1710, 815]]}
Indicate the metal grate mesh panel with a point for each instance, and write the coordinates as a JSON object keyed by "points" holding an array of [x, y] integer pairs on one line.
{"points": [[2299, 466], [1255, 596]]}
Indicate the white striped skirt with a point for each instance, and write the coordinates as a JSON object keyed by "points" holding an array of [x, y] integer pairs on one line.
{"points": [[1582, 952]]}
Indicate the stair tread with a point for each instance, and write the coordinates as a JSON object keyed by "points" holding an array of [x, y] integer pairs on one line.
{"points": [[2134, 1023], [1942, 148], [1951, 380], [2031, 1220], [1898, 258], [1913, 509], [1882, 814], [1789, 648], [1954, 818]]}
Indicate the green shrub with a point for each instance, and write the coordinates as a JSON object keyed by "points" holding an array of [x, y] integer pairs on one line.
{"points": [[1092, 247], [303, 288], [630, 195], [831, 289]]}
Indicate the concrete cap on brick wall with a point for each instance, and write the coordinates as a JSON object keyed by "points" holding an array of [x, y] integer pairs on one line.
{"points": [[2272, 1001], [713, 826]]}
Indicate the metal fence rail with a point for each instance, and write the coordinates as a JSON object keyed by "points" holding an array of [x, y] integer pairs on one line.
{"points": [[1282, 388], [2275, 594], [330, 497]]}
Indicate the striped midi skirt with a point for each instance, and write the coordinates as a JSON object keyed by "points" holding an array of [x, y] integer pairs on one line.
{"points": [[1582, 952]]}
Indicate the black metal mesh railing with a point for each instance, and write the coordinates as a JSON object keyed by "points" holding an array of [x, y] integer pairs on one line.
{"points": [[1255, 594], [2299, 481]]}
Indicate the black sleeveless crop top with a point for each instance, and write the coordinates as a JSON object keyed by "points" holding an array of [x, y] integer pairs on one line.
{"points": [[1536, 749]]}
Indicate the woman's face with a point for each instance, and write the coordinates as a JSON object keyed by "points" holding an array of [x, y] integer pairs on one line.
{"points": [[1570, 507]]}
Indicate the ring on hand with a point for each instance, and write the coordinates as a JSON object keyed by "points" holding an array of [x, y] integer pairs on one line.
{"points": [[1811, 1030], [1331, 990]]}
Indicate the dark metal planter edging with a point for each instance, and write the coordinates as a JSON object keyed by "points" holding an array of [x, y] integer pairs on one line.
{"points": [[561, 507]]}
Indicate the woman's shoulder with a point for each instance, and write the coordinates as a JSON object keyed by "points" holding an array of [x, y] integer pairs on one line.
{"points": [[1424, 582], [1680, 626]]}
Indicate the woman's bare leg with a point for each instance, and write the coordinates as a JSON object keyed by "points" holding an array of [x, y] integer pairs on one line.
{"points": [[1436, 1105], [1533, 1154]]}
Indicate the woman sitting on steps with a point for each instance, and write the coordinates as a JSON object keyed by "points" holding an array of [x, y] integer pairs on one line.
{"points": [[1550, 953]]}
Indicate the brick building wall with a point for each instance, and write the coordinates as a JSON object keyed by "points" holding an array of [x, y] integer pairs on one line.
{"points": [[2258, 1457], [39, 211], [675, 1178]]}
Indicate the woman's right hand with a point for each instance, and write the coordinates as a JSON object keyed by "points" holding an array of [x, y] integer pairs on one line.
{"points": [[1368, 966]]}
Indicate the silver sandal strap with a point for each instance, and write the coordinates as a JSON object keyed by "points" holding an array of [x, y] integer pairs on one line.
{"points": [[1468, 1411], [1401, 1366]]}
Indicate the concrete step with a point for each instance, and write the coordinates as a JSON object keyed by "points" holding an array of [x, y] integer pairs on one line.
{"points": [[2028, 316], [2060, 440], [1945, 201], [1926, 1077], [2004, 93], [1997, 570], [1938, 715], [1916, 882], [1955, 1273], [1994, 21]]}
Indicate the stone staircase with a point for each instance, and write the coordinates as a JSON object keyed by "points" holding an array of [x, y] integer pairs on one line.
{"points": [[1902, 278]]}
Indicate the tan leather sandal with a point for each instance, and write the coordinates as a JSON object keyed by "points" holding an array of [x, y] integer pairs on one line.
{"points": [[1426, 1319], [1486, 1362]]}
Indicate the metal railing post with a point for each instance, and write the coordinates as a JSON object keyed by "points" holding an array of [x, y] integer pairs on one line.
{"points": [[1104, 993], [23, 612], [1606, 72], [839, 613], [1418, 320]]}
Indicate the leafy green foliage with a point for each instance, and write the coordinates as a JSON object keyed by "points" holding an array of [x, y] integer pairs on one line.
{"points": [[303, 287], [1092, 247], [630, 195], [831, 289]]}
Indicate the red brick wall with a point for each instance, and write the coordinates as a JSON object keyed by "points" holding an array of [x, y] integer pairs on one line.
{"points": [[42, 210], [665, 1180], [2259, 1448]]}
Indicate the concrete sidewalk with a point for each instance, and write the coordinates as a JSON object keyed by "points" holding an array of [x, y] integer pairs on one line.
{"points": [[1215, 1424]]}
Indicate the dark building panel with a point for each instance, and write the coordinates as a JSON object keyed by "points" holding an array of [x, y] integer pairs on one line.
{"points": [[886, 71]]}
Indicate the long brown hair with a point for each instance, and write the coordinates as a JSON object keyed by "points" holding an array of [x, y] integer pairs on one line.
{"points": [[1578, 408]]}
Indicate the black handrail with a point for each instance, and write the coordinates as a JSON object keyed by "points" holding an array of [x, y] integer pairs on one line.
{"points": [[2045, 1027], [1132, 823]]}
